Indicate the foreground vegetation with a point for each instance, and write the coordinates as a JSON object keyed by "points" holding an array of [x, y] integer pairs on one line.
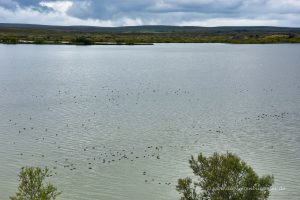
{"points": [[224, 177], [32, 185], [36, 34]]}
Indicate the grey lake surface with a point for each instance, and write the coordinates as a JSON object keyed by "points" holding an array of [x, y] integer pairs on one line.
{"points": [[121, 122]]}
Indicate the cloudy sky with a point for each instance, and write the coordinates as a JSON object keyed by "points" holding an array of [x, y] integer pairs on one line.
{"points": [[141, 12]]}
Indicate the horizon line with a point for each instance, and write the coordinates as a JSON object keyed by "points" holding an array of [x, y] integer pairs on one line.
{"points": [[163, 25]]}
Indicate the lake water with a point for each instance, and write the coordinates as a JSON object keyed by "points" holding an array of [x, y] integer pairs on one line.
{"points": [[120, 122]]}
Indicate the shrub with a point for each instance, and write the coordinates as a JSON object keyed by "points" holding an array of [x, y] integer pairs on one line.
{"points": [[32, 186], [83, 41], [223, 177]]}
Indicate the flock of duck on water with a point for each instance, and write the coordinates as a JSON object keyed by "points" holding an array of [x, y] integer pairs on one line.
{"points": [[102, 154]]}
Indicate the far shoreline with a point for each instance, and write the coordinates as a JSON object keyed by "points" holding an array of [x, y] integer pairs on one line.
{"points": [[145, 35], [139, 44]]}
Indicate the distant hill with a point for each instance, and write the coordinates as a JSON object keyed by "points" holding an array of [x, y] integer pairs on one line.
{"points": [[88, 35], [153, 29]]}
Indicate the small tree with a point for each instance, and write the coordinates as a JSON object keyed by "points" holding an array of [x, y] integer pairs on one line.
{"points": [[224, 177], [32, 186], [83, 41]]}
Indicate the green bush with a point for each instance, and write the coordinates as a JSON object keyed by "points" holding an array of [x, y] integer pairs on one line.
{"points": [[32, 186], [223, 177], [83, 41]]}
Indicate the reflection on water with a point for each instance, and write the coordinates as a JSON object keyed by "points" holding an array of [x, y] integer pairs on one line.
{"points": [[120, 122]]}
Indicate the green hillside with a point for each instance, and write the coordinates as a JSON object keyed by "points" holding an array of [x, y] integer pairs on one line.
{"points": [[44, 34]]}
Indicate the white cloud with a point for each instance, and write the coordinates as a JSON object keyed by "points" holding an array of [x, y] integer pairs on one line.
{"points": [[57, 6], [231, 22], [140, 12], [59, 17], [132, 22], [32, 16]]}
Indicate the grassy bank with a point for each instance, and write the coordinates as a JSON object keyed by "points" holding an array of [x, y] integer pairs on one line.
{"points": [[36, 34]]}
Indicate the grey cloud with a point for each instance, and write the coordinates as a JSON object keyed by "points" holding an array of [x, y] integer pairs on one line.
{"points": [[172, 12], [8, 4], [108, 9]]}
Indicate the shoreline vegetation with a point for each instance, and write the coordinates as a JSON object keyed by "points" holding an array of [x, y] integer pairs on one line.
{"points": [[144, 35]]}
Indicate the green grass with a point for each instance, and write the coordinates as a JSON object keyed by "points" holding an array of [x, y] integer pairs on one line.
{"points": [[9, 35]]}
